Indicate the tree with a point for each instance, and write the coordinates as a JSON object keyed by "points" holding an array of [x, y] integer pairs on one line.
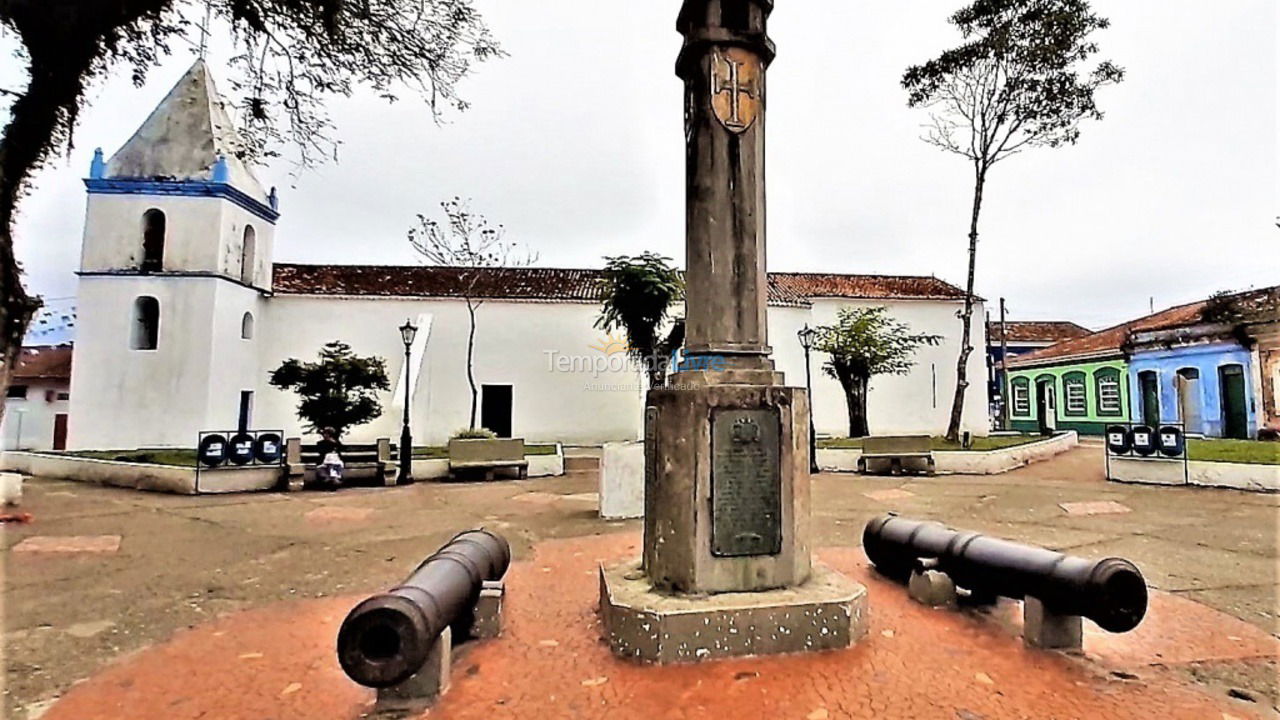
{"points": [[290, 57], [638, 295], [338, 391], [475, 251], [862, 343], [1017, 81]]}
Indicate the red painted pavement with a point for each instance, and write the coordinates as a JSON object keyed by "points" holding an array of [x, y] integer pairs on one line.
{"points": [[277, 663]]}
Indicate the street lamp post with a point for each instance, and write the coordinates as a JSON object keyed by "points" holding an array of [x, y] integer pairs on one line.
{"points": [[407, 333], [807, 335]]}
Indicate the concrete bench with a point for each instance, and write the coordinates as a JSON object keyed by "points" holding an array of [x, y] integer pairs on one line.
{"points": [[894, 449], [487, 457], [370, 462]]}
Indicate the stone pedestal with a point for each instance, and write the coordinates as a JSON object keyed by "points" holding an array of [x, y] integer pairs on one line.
{"points": [[826, 612], [726, 486]]}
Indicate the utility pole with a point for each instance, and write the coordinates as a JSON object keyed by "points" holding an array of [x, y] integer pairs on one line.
{"points": [[1004, 372]]}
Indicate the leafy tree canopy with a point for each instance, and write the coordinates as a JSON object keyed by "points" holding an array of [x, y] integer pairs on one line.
{"points": [[865, 341], [338, 390], [638, 294], [1016, 80]]}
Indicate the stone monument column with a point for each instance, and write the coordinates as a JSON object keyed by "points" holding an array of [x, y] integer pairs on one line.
{"points": [[726, 566], [722, 63]]}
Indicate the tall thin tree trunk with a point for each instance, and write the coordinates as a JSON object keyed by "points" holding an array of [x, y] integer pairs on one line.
{"points": [[966, 317], [471, 370]]}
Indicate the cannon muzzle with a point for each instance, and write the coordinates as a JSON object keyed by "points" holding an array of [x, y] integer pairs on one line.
{"points": [[385, 639], [1111, 592]]}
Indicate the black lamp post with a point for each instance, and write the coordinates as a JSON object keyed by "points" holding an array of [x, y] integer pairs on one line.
{"points": [[407, 333], [807, 335]]}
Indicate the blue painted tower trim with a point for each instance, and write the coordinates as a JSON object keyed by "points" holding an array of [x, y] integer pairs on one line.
{"points": [[187, 188]]}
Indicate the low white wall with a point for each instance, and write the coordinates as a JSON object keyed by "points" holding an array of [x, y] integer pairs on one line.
{"points": [[622, 480], [10, 488], [965, 462], [141, 476], [539, 466], [1203, 473], [137, 476]]}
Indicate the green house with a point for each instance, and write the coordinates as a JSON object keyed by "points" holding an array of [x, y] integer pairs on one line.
{"points": [[1071, 395], [1082, 384]]}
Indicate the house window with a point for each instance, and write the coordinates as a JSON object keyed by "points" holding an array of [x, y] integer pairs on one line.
{"points": [[1021, 397], [146, 323], [1074, 389], [1108, 386], [248, 252], [18, 392], [152, 241], [246, 327], [64, 396]]}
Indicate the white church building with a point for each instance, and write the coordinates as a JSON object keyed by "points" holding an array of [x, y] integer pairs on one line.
{"points": [[183, 313]]}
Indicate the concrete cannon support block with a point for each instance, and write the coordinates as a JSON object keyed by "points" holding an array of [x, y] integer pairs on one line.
{"points": [[425, 686], [932, 588], [1043, 628], [487, 622]]}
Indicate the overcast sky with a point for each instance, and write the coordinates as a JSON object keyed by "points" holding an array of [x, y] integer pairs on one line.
{"points": [[574, 142]]}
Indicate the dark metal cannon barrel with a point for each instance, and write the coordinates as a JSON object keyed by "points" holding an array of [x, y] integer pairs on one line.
{"points": [[385, 639], [1111, 592]]}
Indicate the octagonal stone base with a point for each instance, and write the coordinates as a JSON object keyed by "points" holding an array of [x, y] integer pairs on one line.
{"points": [[827, 612]]}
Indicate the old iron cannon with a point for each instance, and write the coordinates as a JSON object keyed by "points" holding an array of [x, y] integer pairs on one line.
{"points": [[1111, 592], [386, 638]]}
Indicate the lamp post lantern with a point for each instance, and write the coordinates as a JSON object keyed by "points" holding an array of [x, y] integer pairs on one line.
{"points": [[407, 333], [807, 336]]}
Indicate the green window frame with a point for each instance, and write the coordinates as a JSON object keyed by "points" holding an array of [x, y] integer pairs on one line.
{"points": [[1075, 398], [1110, 395], [1021, 401]]}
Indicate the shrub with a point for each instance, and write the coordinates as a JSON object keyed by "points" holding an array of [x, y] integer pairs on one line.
{"points": [[474, 434]]}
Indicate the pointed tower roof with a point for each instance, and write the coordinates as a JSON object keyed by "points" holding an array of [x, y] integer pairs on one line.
{"points": [[189, 136]]}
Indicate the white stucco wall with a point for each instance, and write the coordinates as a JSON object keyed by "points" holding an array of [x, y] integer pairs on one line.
{"points": [[113, 235], [125, 398], [516, 343], [918, 402], [193, 380], [28, 423]]}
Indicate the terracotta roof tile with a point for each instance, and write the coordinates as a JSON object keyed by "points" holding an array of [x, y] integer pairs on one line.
{"points": [[574, 284], [1037, 331], [1112, 339], [44, 363]]}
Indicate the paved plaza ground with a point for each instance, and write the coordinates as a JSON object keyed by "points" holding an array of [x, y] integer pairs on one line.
{"points": [[119, 604]]}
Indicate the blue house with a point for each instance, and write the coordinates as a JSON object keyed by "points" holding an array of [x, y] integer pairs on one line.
{"points": [[1199, 374]]}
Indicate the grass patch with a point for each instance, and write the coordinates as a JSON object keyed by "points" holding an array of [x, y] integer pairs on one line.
{"points": [[179, 457], [440, 452], [995, 442], [1253, 452]]}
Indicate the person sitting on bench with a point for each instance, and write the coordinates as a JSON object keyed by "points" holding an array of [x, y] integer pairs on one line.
{"points": [[330, 471]]}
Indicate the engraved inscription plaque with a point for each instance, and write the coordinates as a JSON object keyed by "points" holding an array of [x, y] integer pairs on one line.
{"points": [[746, 483]]}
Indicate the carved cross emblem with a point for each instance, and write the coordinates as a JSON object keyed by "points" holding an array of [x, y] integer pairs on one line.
{"points": [[736, 88]]}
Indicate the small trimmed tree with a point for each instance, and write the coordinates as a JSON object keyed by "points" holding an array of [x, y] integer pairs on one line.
{"points": [[1017, 81], [638, 294], [862, 343], [338, 391]]}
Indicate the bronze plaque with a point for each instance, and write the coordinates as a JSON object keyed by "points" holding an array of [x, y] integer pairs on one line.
{"points": [[746, 483]]}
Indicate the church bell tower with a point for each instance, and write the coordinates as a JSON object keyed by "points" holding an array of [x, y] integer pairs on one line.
{"points": [[174, 267]]}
